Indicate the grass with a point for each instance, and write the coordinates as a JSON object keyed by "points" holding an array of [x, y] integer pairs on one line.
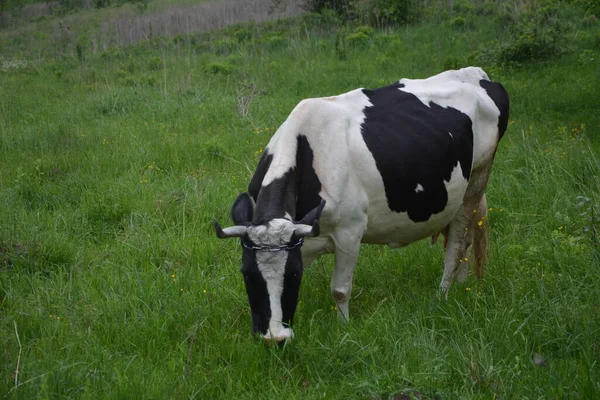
{"points": [[113, 285]]}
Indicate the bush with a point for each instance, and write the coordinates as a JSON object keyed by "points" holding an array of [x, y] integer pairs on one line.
{"points": [[318, 6], [155, 63], [243, 35], [460, 23], [276, 42], [357, 39], [225, 46], [111, 53], [148, 80], [220, 68], [452, 62], [386, 40], [367, 30], [533, 36], [392, 12], [340, 46], [374, 12]]}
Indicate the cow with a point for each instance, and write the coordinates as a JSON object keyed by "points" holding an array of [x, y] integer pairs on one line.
{"points": [[386, 166]]}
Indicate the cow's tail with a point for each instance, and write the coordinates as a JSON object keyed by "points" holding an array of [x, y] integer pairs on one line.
{"points": [[480, 238]]}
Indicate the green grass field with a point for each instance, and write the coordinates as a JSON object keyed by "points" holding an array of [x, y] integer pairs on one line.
{"points": [[113, 166]]}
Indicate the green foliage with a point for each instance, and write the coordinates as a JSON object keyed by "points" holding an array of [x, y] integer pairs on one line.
{"points": [[111, 53], [340, 46], [366, 30], [243, 35], [276, 42], [225, 46], [141, 5], [113, 285], [155, 63], [357, 39], [461, 23], [79, 51], [222, 68], [319, 6], [454, 62], [393, 12], [374, 12]]}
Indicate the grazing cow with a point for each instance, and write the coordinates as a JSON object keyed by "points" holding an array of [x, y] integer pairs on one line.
{"points": [[385, 166]]}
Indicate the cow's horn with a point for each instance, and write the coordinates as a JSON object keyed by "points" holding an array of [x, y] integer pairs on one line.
{"points": [[308, 230], [231, 232]]}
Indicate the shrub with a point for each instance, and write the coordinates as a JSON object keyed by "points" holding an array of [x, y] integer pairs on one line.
{"points": [[367, 30], [111, 53], [276, 42], [220, 68], [452, 62], [318, 6], [121, 73], [148, 80], [155, 63], [340, 46], [213, 149], [243, 35], [79, 51], [357, 39], [373, 12], [531, 45], [386, 40], [225, 46], [535, 35], [460, 23], [128, 81], [392, 12]]}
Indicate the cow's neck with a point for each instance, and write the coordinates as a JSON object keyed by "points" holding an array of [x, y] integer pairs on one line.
{"points": [[277, 199], [291, 195]]}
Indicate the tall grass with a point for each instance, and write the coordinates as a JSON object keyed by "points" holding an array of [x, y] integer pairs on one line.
{"points": [[112, 283]]}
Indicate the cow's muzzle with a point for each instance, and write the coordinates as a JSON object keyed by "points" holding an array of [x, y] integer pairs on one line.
{"points": [[279, 336]]}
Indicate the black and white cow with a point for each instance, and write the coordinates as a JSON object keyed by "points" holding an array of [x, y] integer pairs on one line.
{"points": [[387, 166]]}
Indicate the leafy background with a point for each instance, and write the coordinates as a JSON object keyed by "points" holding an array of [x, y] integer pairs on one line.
{"points": [[119, 144]]}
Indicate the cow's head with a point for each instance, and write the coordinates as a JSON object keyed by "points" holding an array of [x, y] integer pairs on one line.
{"points": [[271, 264]]}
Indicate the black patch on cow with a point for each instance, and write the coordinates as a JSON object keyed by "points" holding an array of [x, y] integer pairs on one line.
{"points": [[275, 199], [242, 210], [256, 288], [498, 94], [414, 144], [291, 284], [259, 174], [308, 185], [296, 192]]}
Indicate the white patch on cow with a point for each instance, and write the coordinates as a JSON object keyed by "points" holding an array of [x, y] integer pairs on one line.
{"points": [[328, 137], [272, 268], [419, 188], [456, 187], [450, 133]]}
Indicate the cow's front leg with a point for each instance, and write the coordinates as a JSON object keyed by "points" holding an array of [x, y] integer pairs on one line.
{"points": [[313, 248], [346, 256]]}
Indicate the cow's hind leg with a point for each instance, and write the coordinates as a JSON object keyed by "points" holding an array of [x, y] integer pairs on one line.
{"points": [[458, 232], [478, 238], [469, 225], [346, 256]]}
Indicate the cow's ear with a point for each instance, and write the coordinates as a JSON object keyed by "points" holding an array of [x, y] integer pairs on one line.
{"points": [[242, 210], [313, 215]]}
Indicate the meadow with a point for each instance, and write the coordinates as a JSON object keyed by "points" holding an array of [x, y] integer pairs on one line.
{"points": [[114, 162]]}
